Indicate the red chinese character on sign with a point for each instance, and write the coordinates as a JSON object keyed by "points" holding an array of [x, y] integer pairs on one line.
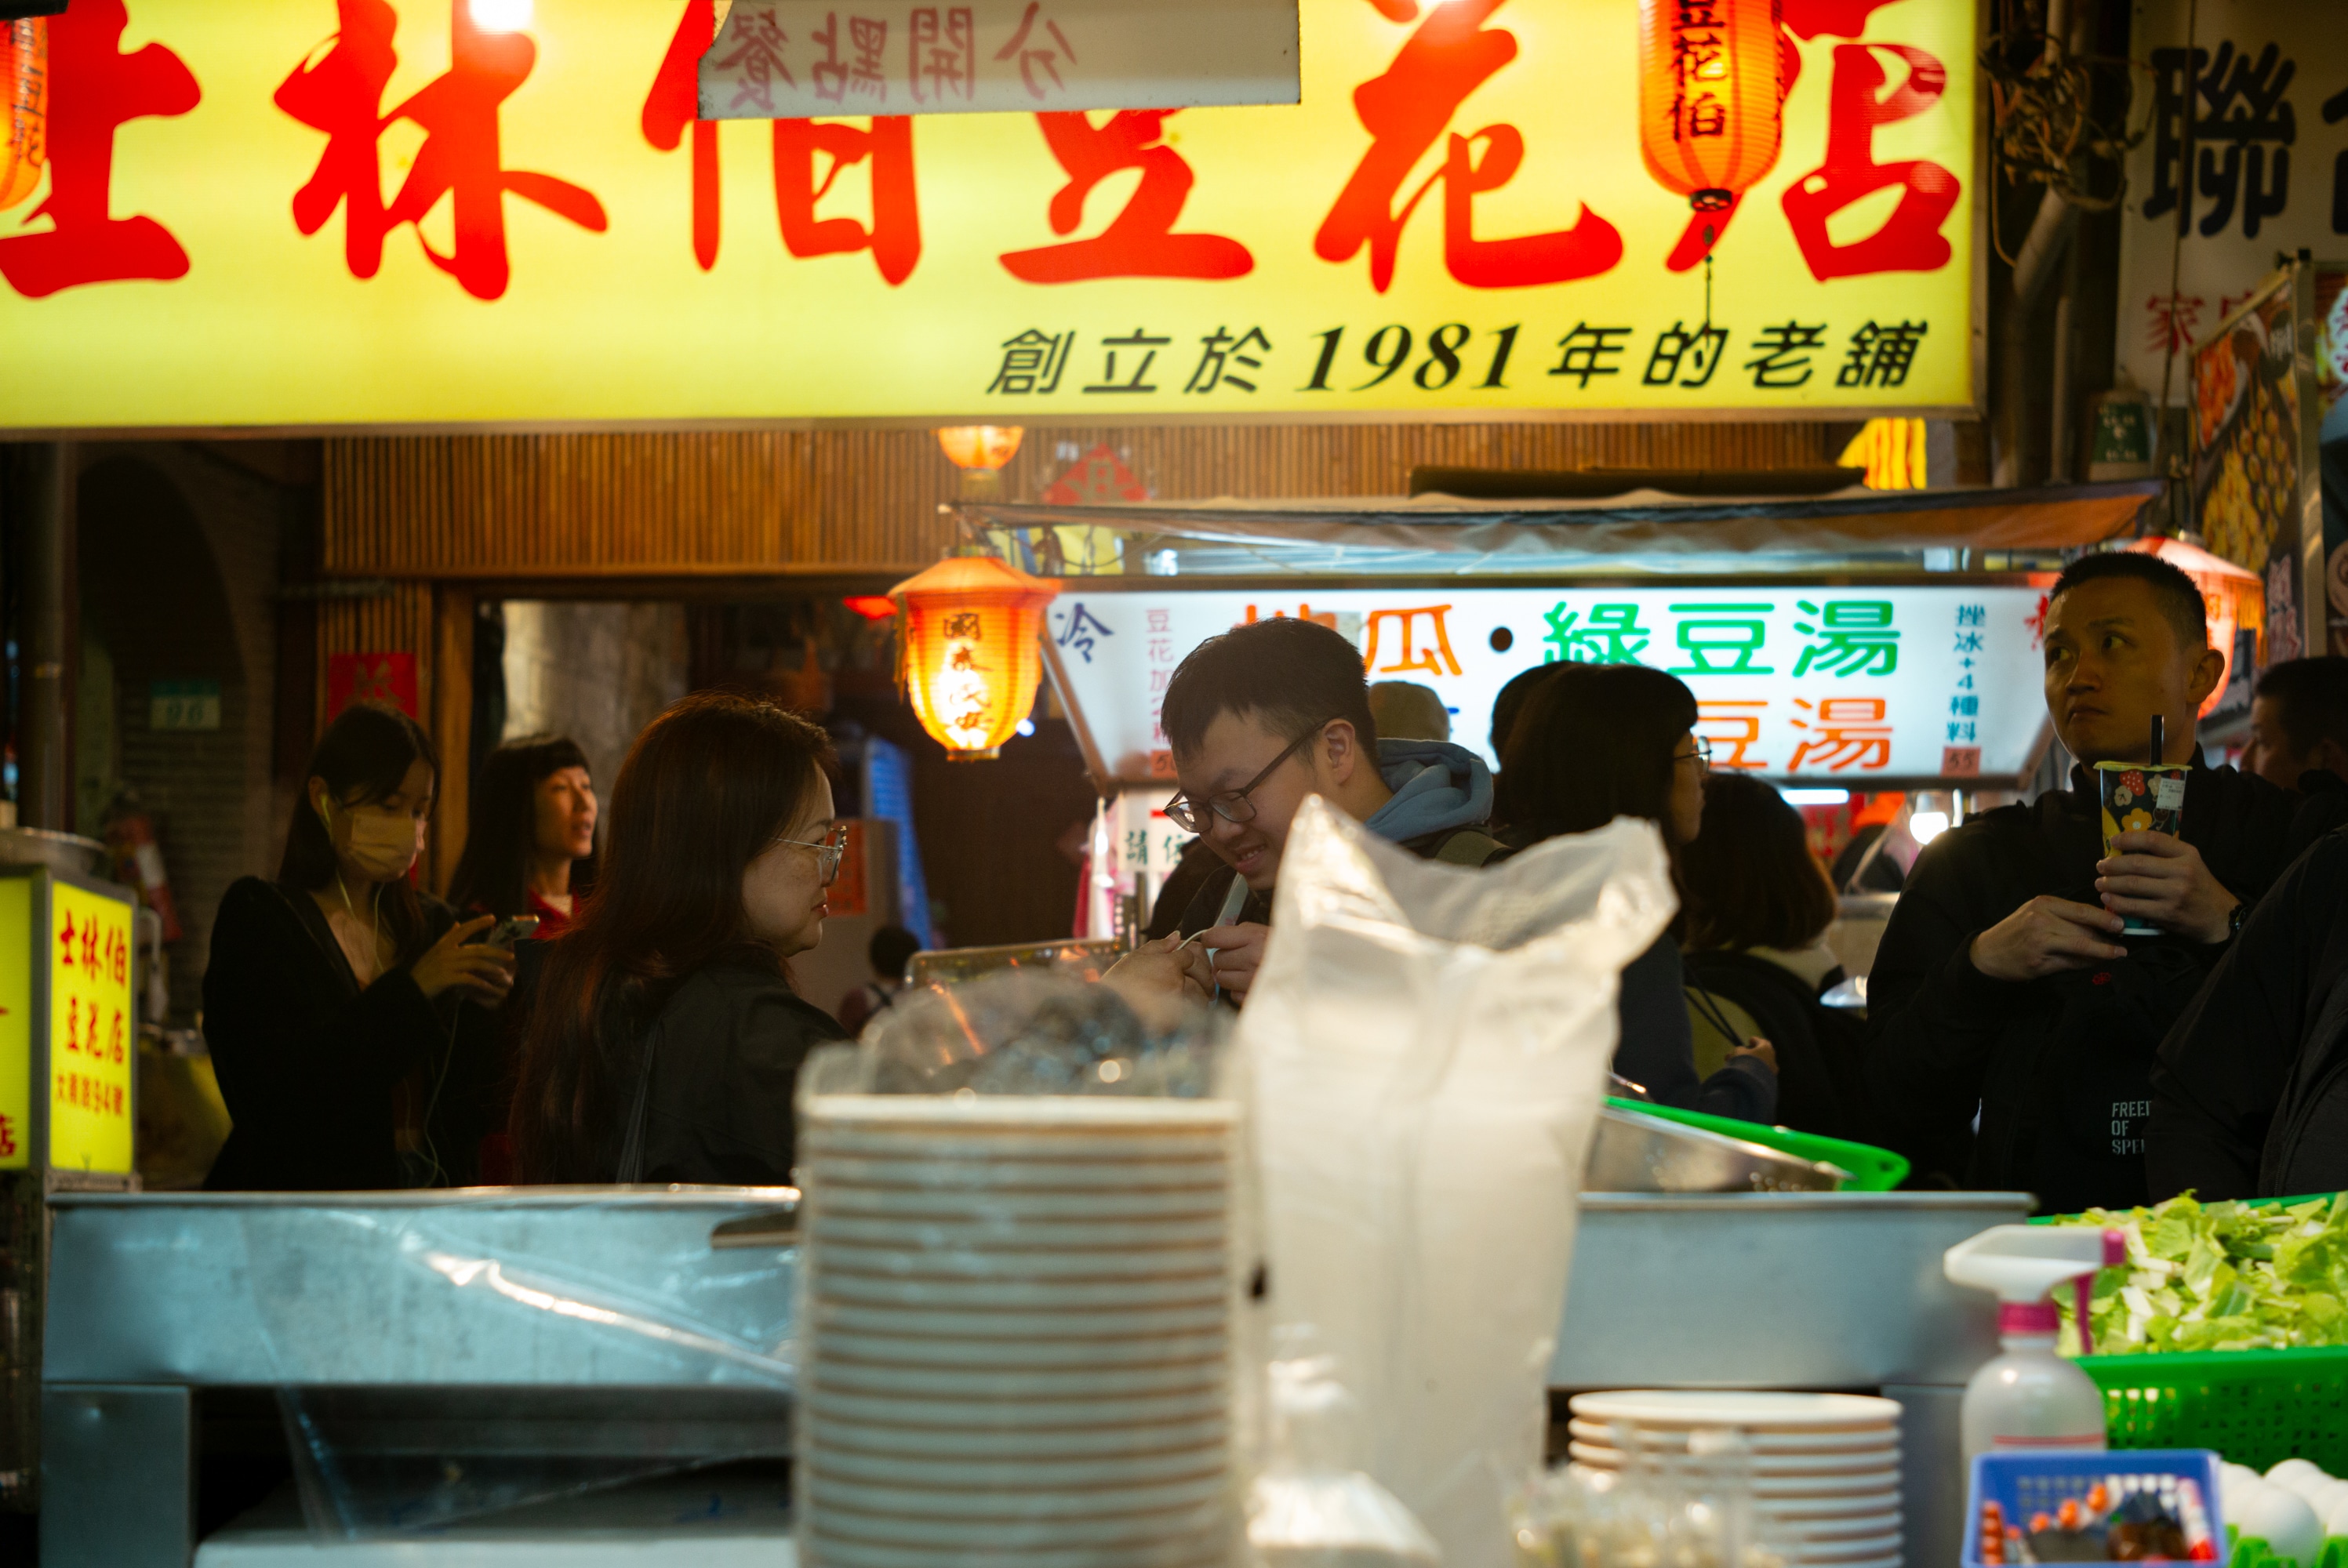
{"points": [[1139, 241], [7, 1135], [89, 948], [73, 1023], [1909, 240], [1845, 732], [942, 51], [1735, 726], [895, 236], [1410, 653], [342, 94], [115, 1046], [673, 104], [1449, 57], [66, 943], [118, 969], [1327, 617], [835, 79], [94, 89]]}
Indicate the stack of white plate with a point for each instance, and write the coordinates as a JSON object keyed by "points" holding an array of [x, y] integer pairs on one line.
{"points": [[1824, 1467], [1021, 1338]]}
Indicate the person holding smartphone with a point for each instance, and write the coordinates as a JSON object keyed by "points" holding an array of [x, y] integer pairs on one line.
{"points": [[330, 1002]]}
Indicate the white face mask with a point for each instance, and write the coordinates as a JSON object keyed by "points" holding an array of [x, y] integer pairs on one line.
{"points": [[382, 844]]}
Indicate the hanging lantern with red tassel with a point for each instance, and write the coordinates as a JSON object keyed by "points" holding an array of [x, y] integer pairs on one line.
{"points": [[967, 651], [1711, 97], [24, 107]]}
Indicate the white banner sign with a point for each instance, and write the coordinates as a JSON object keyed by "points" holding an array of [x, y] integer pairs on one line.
{"points": [[1853, 687], [803, 60], [2270, 168]]}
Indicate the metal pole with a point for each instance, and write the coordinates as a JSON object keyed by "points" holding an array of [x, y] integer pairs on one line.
{"points": [[44, 771]]}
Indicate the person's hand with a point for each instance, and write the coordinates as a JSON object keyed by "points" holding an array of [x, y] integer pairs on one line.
{"points": [[479, 971], [1239, 953], [2045, 936], [2162, 879], [1756, 1049], [1157, 978]]}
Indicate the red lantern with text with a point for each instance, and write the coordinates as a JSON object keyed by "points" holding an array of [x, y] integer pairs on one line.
{"points": [[1711, 95], [25, 130], [967, 651]]}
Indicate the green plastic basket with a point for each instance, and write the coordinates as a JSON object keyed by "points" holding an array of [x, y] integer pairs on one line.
{"points": [[2254, 1406], [1872, 1170]]}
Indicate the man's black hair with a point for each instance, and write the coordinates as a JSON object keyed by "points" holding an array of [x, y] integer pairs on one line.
{"points": [[2311, 699], [889, 950], [2180, 602], [1288, 675]]}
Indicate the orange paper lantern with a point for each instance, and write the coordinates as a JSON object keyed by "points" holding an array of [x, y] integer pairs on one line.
{"points": [[1711, 95], [983, 447], [967, 651], [23, 106]]}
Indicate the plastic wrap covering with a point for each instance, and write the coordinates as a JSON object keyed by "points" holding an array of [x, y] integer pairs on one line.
{"points": [[1429, 1049], [376, 1460], [1023, 1270], [1312, 1505], [1693, 1510]]}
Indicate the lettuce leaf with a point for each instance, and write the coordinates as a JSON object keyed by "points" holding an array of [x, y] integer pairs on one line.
{"points": [[2220, 1276]]}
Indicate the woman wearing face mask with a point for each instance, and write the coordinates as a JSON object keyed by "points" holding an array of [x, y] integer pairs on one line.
{"points": [[666, 1038], [333, 987]]}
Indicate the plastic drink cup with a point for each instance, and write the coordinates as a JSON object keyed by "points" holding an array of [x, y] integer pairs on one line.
{"points": [[2141, 797]]}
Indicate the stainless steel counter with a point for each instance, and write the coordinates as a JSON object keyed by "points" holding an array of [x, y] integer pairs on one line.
{"points": [[595, 1321]]}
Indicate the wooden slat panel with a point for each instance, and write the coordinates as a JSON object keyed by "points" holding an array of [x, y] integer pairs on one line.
{"points": [[681, 503]]}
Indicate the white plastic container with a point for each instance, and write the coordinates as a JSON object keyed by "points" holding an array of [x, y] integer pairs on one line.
{"points": [[2028, 1398]]}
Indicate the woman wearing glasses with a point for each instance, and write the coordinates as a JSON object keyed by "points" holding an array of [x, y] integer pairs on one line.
{"points": [[1601, 741], [666, 1038]]}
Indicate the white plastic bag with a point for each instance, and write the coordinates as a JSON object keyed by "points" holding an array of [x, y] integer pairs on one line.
{"points": [[1429, 1048]]}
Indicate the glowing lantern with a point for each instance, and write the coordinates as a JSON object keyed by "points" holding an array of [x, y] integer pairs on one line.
{"points": [[979, 451], [2234, 599], [24, 99], [1711, 96], [967, 651]]}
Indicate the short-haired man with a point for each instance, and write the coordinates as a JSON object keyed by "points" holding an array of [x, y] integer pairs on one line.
{"points": [[2299, 724], [1266, 715], [2003, 990]]}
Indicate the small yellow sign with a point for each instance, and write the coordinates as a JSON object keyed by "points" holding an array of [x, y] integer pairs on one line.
{"points": [[15, 1023], [93, 1031]]}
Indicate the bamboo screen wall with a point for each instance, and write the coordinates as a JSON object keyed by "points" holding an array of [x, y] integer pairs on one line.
{"points": [[754, 502]]}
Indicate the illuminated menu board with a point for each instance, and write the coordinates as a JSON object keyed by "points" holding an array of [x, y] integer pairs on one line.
{"points": [[68, 1028]]}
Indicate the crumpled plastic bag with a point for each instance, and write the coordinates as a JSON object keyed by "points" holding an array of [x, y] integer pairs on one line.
{"points": [[1429, 1048]]}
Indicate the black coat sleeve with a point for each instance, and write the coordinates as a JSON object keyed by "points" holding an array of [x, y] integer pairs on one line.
{"points": [[294, 1052], [2222, 1067], [1656, 1049], [728, 1050], [1933, 1019]]}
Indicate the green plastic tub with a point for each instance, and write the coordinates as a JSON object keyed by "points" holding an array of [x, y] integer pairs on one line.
{"points": [[1872, 1170]]}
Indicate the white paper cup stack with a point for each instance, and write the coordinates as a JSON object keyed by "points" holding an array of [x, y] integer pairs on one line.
{"points": [[1825, 1467], [1019, 1332]]}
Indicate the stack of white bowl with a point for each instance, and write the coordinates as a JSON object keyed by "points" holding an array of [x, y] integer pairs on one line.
{"points": [[1825, 1467], [1019, 1332]]}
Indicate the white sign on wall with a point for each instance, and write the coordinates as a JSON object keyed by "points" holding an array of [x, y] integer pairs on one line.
{"points": [[1854, 687], [807, 59], [2270, 169]]}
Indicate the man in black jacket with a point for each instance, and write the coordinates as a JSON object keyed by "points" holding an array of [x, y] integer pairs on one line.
{"points": [[2011, 1027], [2249, 1096]]}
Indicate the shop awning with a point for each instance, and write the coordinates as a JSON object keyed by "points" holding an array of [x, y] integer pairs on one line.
{"points": [[1444, 534]]}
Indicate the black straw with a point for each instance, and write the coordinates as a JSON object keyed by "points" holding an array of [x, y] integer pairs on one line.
{"points": [[2159, 751]]}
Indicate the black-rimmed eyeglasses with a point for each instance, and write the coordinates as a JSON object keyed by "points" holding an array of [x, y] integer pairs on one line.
{"points": [[1233, 804]]}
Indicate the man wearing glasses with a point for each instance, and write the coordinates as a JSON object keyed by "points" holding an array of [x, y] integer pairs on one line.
{"points": [[1266, 715]]}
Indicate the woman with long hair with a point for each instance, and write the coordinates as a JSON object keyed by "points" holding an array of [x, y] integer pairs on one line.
{"points": [[336, 985], [1596, 742], [1757, 905], [530, 845], [666, 1038]]}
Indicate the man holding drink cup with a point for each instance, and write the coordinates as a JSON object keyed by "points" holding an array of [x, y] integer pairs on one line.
{"points": [[2039, 953]]}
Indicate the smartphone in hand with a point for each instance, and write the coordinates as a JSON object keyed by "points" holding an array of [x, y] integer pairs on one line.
{"points": [[507, 932]]}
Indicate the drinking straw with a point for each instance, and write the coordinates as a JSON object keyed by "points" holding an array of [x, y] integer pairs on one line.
{"points": [[2159, 749]]}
